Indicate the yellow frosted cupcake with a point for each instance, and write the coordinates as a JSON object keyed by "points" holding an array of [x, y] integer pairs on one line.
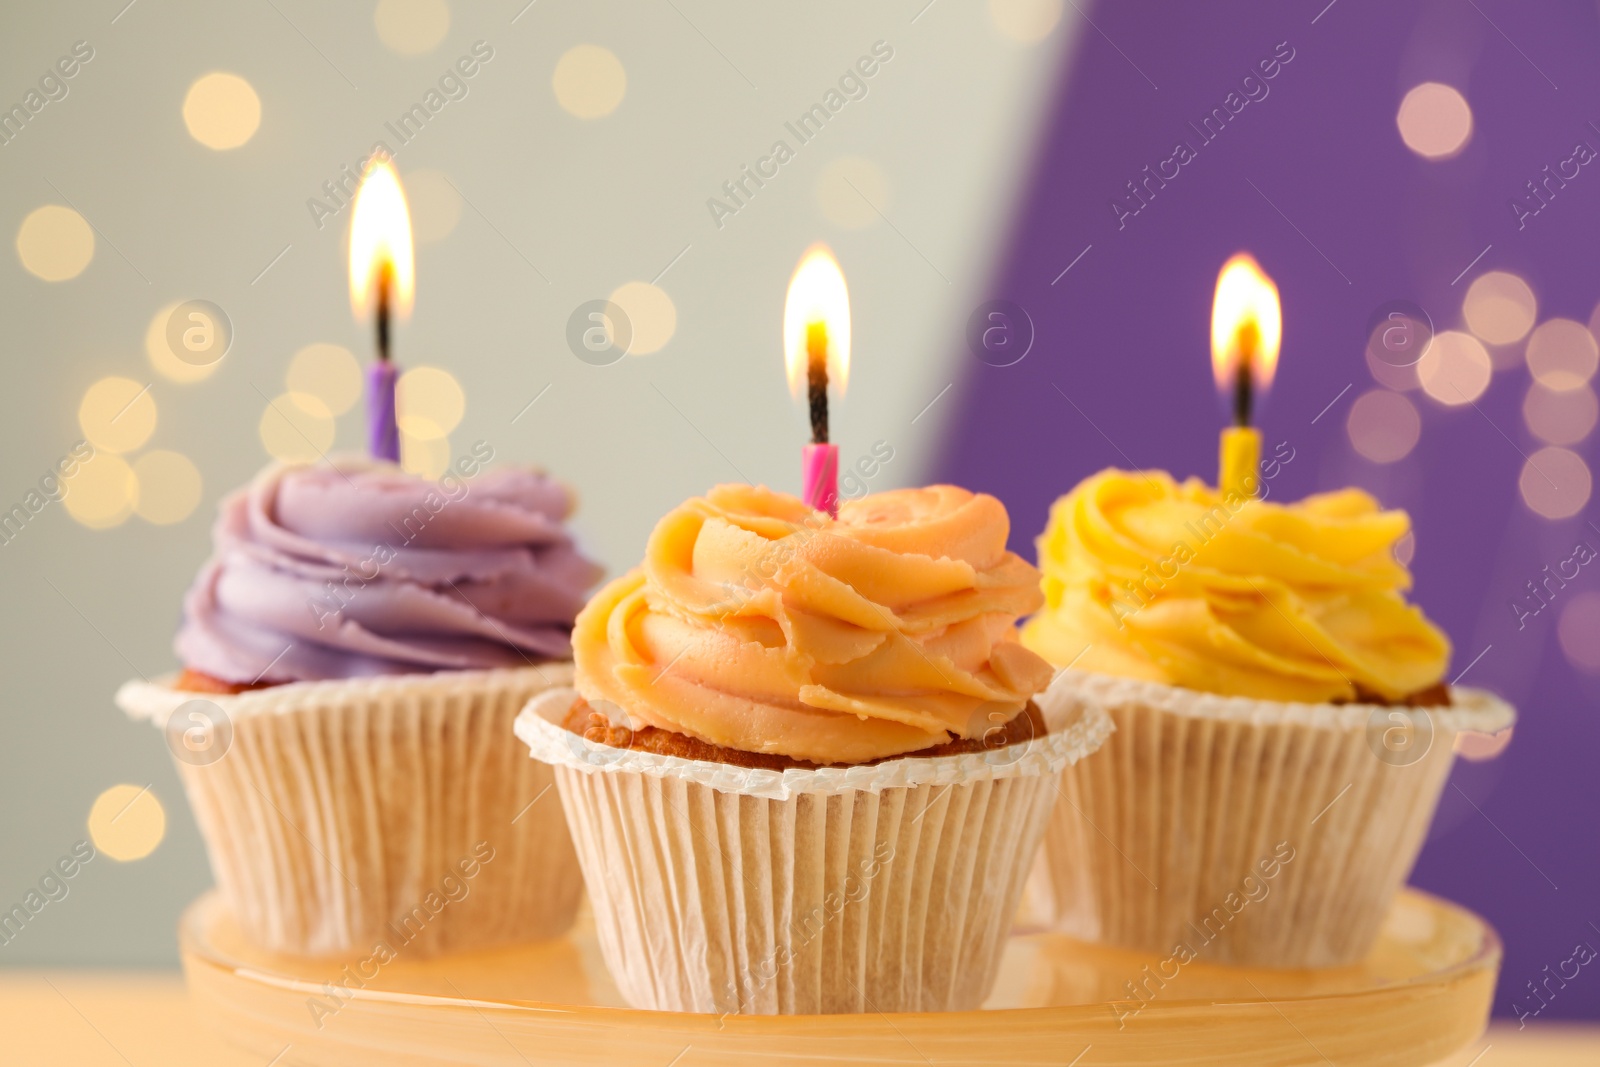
{"points": [[1284, 729], [807, 763]]}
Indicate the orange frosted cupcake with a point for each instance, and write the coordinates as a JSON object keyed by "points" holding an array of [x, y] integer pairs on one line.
{"points": [[807, 763]]}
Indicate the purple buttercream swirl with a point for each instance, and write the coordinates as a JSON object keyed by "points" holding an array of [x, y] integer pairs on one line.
{"points": [[355, 568]]}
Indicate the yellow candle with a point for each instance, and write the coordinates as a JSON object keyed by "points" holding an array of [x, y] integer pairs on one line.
{"points": [[1246, 332], [1240, 462]]}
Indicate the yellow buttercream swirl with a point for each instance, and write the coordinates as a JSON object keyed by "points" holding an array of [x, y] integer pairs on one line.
{"points": [[1147, 578], [760, 624]]}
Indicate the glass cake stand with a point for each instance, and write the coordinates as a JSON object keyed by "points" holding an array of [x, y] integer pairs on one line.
{"points": [[1423, 993]]}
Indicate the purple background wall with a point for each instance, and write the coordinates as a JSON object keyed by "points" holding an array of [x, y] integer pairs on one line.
{"points": [[1123, 334]]}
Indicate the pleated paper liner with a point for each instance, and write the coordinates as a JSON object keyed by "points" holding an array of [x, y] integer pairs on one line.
{"points": [[382, 815], [884, 888], [1246, 831]]}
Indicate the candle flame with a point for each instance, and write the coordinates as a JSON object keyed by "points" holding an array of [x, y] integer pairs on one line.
{"points": [[816, 320], [1246, 324], [380, 242]]}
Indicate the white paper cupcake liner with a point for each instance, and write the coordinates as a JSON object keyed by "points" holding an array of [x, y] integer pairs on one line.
{"points": [[1246, 831], [340, 815], [886, 888]]}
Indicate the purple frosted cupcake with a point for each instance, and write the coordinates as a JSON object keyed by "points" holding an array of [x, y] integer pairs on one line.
{"points": [[354, 654]]}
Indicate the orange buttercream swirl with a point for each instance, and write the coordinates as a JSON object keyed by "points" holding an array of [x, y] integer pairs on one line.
{"points": [[759, 624]]}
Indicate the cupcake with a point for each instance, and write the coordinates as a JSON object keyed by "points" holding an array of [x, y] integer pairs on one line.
{"points": [[807, 763], [1284, 729], [355, 652]]}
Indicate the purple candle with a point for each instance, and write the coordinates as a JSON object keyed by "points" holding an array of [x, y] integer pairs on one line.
{"points": [[382, 278], [383, 436]]}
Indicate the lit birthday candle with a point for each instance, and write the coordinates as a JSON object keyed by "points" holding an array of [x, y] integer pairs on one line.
{"points": [[816, 352], [382, 284], [1246, 333]]}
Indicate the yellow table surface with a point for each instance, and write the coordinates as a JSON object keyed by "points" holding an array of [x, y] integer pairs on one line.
{"points": [[143, 1019]]}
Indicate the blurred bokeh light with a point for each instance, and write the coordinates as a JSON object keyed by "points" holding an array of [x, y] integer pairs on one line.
{"points": [[429, 402], [651, 315], [127, 822], [1435, 120], [589, 81], [1560, 417], [1383, 426], [411, 27], [1579, 631], [117, 414], [169, 487], [165, 361], [55, 243], [1025, 21], [222, 111], [1500, 308], [328, 372], [1562, 354], [427, 457], [102, 492], [1555, 483], [1455, 369]]}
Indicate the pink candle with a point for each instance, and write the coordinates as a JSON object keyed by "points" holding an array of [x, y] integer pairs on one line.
{"points": [[819, 477], [816, 348]]}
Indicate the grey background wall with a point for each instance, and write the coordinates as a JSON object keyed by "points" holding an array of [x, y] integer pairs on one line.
{"points": [[524, 210]]}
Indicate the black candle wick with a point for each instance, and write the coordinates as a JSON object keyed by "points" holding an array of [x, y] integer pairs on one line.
{"points": [[1247, 340], [818, 378], [1243, 397], [385, 280]]}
